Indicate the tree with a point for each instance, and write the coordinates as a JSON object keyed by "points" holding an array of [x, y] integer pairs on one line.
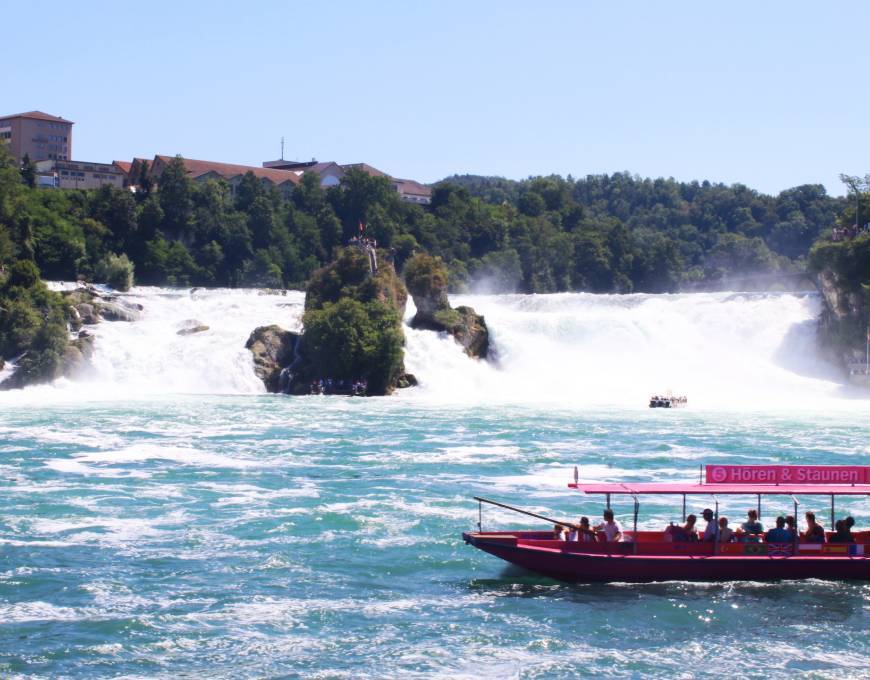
{"points": [[175, 191], [28, 171]]}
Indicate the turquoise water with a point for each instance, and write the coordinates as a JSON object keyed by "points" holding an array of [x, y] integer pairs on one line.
{"points": [[252, 536]]}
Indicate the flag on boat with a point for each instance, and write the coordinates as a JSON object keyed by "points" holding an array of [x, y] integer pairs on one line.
{"points": [[856, 549], [810, 548], [780, 549], [754, 549], [836, 549]]}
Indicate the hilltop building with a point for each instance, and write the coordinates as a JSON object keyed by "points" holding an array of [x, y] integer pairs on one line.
{"points": [[331, 173], [38, 135], [202, 171], [78, 174]]}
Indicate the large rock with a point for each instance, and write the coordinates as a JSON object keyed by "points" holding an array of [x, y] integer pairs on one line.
{"points": [[192, 326], [115, 311], [88, 306], [353, 319], [76, 357], [426, 278], [274, 349]]}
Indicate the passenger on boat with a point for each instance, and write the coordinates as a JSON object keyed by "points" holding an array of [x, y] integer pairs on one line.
{"points": [[842, 533], [726, 535], [612, 528], [815, 533], [557, 532], [779, 534], [582, 532], [710, 529], [751, 529], [685, 533], [791, 528]]}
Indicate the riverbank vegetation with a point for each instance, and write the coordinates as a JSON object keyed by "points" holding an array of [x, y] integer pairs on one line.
{"points": [[602, 233]]}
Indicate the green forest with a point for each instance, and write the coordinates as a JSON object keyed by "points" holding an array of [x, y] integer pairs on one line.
{"points": [[602, 233]]}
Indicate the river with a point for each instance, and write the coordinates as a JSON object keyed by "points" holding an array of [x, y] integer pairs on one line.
{"points": [[164, 517]]}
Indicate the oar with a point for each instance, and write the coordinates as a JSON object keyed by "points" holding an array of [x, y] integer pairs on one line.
{"points": [[525, 512]]}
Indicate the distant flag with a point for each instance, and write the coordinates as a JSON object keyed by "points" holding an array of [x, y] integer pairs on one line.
{"points": [[361, 227]]}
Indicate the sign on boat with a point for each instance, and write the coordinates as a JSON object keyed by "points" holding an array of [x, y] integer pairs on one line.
{"points": [[644, 556]]}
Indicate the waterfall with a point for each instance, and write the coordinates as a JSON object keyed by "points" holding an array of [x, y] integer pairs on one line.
{"points": [[719, 349]]}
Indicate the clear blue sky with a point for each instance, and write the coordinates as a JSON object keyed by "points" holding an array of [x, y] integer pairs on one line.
{"points": [[770, 94]]}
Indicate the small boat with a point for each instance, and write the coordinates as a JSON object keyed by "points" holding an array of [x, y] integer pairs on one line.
{"points": [[667, 401], [645, 556]]}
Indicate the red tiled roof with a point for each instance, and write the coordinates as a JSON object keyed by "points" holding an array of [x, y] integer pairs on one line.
{"points": [[124, 166], [39, 115], [367, 169], [228, 170], [409, 186]]}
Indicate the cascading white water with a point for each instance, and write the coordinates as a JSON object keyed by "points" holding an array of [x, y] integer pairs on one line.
{"points": [[148, 357], [728, 350], [719, 349]]}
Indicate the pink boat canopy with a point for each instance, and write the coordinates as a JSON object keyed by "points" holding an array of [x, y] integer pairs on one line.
{"points": [[791, 480]]}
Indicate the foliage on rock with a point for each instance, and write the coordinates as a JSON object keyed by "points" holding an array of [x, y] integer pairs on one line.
{"points": [[32, 325], [351, 340], [115, 270]]}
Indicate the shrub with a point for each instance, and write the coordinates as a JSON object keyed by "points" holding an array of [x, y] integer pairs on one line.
{"points": [[426, 276], [116, 270]]}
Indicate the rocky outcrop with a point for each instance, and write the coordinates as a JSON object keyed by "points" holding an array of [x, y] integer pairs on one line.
{"points": [[426, 278], [274, 349], [842, 327], [353, 337], [88, 307], [76, 356], [192, 326]]}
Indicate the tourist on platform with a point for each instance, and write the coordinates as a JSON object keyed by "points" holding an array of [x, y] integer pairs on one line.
{"points": [[726, 535], [815, 533], [842, 533], [779, 534], [612, 529], [710, 530]]}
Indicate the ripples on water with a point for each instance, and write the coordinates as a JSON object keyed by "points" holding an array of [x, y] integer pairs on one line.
{"points": [[261, 536]]}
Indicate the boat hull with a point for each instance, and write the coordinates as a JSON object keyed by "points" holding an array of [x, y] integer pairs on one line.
{"points": [[576, 566]]}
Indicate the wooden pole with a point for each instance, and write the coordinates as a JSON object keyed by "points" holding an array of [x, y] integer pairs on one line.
{"points": [[525, 512]]}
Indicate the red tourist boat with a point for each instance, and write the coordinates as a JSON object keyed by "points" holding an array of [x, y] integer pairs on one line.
{"points": [[654, 556]]}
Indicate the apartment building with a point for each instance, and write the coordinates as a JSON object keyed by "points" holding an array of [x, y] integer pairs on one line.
{"points": [[38, 135], [79, 174]]}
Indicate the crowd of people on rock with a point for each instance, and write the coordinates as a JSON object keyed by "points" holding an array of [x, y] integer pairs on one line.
{"points": [[715, 531], [369, 246], [356, 388], [848, 233]]}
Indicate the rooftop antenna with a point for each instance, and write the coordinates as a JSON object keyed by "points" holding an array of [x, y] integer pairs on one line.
{"points": [[282, 148]]}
